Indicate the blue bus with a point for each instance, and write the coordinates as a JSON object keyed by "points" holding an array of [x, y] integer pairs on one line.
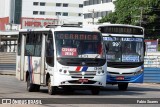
{"points": [[125, 53]]}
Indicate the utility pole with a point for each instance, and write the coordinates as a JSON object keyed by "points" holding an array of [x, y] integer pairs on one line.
{"points": [[58, 19], [141, 16], [92, 11]]}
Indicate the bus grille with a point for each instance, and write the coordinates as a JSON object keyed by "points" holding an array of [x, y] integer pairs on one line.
{"points": [[78, 74]]}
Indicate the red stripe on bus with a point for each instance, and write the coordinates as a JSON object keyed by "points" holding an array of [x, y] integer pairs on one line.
{"points": [[78, 68]]}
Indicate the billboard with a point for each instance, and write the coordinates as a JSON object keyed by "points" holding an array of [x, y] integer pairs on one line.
{"points": [[37, 22], [151, 45], [3, 22]]}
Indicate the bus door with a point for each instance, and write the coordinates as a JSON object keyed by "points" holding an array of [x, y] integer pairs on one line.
{"points": [[35, 57], [49, 65]]}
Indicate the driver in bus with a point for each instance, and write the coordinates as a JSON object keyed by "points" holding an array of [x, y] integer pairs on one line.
{"points": [[127, 48], [89, 50]]}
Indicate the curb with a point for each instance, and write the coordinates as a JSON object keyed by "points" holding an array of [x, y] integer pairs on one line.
{"points": [[7, 73]]}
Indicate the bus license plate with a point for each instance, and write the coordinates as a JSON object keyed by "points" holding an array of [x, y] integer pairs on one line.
{"points": [[120, 78], [83, 80]]}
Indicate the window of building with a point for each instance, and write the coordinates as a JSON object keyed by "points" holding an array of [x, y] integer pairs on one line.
{"points": [[92, 2], [58, 13], [80, 5], [80, 23], [35, 3], [79, 14], [98, 1], [104, 13], [90, 15], [35, 12], [65, 14], [96, 14], [86, 3], [58, 4], [42, 3], [99, 14], [106, 1], [65, 5], [42, 13], [85, 16]]}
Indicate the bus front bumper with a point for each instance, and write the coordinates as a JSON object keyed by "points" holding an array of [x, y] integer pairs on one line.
{"points": [[127, 79]]}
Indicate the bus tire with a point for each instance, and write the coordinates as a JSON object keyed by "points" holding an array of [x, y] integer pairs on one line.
{"points": [[122, 86], [95, 90], [51, 89], [30, 86]]}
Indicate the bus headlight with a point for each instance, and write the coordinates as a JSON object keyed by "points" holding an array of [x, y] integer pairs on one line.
{"points": [[139, 72], [65, 71], [100, 72], [61, 71]]}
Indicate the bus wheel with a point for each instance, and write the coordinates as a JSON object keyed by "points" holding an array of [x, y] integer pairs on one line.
{"points": [[95, 90], [30, 86], [51, 89], [122, 86]]}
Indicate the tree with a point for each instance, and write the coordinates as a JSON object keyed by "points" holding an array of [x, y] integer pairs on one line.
{"points": [[145, 13]]}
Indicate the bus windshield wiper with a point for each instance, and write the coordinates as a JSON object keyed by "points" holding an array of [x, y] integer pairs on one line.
{"points": [[96, 57]]}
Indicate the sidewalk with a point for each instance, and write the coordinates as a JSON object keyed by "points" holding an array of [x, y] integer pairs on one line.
{"points": [[7, 72]]}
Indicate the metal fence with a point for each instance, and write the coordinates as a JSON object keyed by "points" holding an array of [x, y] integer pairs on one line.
{"points": [[152, 69]]}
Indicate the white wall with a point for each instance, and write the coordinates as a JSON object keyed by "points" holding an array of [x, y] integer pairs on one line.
{"points": [[4, 8], [97, 8], [28, 8]]}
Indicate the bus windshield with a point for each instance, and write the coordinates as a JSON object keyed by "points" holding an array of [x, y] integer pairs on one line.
{"points": [[78, 44], [124, 49]]}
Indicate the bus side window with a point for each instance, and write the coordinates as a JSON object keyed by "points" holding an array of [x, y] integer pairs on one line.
{"points": [[38, 45], [49, 49], [29, 48]]}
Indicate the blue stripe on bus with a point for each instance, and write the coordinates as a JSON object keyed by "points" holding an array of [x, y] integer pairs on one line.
{"points": [[29, 68], [84, 68]]}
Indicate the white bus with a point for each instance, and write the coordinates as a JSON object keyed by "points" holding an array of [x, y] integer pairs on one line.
{"points": [[56, 57], [125, 53]]}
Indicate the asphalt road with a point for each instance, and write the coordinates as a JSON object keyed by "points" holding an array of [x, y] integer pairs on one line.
{"points": [[136, 95]]}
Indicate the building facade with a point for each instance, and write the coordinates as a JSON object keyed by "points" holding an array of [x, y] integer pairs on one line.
{"points": [[5, 8], [38, 13], [93, 10], [17, 14]]}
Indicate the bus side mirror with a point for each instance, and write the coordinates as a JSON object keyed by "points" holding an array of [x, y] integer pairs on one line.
{"points": [[144, 48]]}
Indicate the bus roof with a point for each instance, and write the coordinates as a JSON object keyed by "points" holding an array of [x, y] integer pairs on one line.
{"points": [[127, 25], [59, 28]]}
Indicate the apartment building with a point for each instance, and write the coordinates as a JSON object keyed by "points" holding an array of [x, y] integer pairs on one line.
{"points": [[38, 13], [94, 10]]}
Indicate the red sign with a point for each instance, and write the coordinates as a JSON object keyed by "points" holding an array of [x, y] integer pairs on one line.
{"points": [[83, 80], [3, 22], [69, 51], [120, 78], [36, 23]]}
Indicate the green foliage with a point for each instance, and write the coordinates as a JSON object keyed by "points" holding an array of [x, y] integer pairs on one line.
{"points": [[137, 12]]}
